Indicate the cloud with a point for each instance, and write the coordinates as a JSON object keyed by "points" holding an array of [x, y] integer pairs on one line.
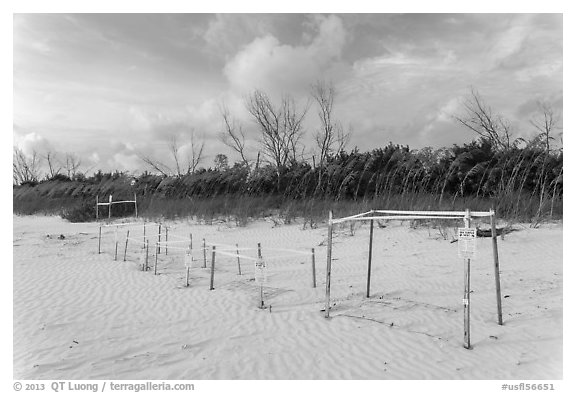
{"points": [[162, 123], [270, 65], [31, 142]]}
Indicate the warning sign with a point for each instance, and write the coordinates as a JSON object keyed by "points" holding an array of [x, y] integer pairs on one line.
{"points": [[188, 259], [260, 273], [467, 243]]}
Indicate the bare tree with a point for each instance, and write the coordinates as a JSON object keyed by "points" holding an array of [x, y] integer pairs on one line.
{"points": [[24, 168], [53, 164], [72, 164], [281, 127], [156, 165], [233, 135], [177, 168], [546, 124], [173, 146], [480, 119], [196, 154], [331, 137]]}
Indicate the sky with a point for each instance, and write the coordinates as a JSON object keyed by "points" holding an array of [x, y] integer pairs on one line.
{"points": [[114, 87]]}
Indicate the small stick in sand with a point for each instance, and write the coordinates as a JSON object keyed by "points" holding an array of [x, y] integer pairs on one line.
{"points": [[156, 261], [496, 264], [369, 259], [126, 245], [313, 269], [146, 264], [204, 248], [99, 237], [159, 236], [135, 206], [212, 267], [259, 251], [466, 300], [166, 247], [238, 260], [116, 244], [328, 265]]}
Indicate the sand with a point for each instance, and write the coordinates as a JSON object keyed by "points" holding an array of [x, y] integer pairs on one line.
{"points": [[78, 314]]}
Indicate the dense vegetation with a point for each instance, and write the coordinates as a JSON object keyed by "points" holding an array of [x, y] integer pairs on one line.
{"points": [[522, 183]]}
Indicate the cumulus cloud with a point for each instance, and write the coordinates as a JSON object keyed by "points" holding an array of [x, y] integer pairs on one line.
{"points": [[268, 64], [31, 142]]}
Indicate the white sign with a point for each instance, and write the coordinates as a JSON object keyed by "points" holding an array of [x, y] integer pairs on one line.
{"points": [[260, 271], [188, 259], [467, 243]]}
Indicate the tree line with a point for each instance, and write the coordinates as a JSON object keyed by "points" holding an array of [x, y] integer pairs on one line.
{"points": [[521, 177]]}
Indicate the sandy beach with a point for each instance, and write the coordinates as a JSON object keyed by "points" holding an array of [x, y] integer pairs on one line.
{"points": [[79, 314]]}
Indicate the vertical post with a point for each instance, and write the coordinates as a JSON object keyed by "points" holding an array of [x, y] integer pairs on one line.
{"points": [[156, 261], [261, 295], [238, 260], [144, 236], [135, 206], [190, 243], [313, 269], [466, 300], [116, 244], [328, 265], [496, 265], [369, 259], [146, 263], [99, 237], [204, 248], [187, 275], [259, 250], [96, 207], [166, 245], [110, 207], [159, 237], [212, 267], [126, 245]]}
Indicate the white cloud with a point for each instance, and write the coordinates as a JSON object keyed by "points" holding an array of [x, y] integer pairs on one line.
{"points": [[266, 63], [32, 142]]}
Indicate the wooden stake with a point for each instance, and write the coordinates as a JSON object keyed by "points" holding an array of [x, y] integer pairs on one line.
{"points": [[238, 260], [261, 296], [313, 269], [496, 265], [126, 245], [156, 261], [99, 237], [187, 276], [212, 267], [204, 248], [369, 259], [116, 244], [144, 236], [328, 265], [259, 251], [159, 237], [146, 264], [466, 300], [166, 240], [190, 243], [96, 207], [110, 207], [135, 206]]}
